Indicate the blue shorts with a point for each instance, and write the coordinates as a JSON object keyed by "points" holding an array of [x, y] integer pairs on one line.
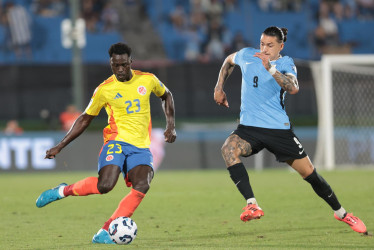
{"points": [[125, 156]]}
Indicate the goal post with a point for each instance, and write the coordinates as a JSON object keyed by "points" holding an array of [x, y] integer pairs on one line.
{"points": [[345, 97]]}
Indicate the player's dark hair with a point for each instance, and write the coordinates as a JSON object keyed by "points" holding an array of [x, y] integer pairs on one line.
{"points": [[119, 49], [280, 33]]}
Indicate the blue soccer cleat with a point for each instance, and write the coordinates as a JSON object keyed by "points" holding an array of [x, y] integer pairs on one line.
{"points": [[49, 196], [102, 237]]}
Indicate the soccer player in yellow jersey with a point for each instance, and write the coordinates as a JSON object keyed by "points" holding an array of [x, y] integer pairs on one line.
{"points": [[125, 96]]}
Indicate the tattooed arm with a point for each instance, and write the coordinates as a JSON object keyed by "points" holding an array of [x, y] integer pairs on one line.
{"points": [[287, 82], [224, 73]]}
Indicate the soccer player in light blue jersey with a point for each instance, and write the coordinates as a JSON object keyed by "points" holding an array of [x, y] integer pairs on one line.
{"points": [[266, 78]]}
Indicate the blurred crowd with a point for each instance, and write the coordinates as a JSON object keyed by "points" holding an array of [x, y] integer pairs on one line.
{"points": [[205, 35], [18, 33], [280, 5], [329, 15], [207, 38], [17, 20], [99, 15], [198, 24]]}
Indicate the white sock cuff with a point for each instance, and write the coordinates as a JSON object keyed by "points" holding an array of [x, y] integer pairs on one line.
{"points": [[61, 191], [252, 201], [340, 212]]}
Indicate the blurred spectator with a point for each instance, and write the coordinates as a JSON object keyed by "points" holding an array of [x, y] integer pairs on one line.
{"points": [[349, 9], [365, 9], [49, 8], [157, 147], [229, 5], [215, 49], [109, 17], [326, 34], [215, 10], [91, 10], [18, 25], [13, 128], [266, 5], [227, 39], [178, 18], [199, 29], [193, 44], [280, 5], [68, 117], [238, 43]]}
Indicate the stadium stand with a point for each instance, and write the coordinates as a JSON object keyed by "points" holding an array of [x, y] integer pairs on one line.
{"points": [[196, 30]]}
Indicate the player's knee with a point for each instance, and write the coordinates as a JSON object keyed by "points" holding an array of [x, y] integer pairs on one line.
{"points": [[104, 187], [229, 151], [225, 149], [142, 186]]}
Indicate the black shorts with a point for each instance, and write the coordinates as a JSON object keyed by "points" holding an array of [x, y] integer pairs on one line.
{"points": [[283, 143]]}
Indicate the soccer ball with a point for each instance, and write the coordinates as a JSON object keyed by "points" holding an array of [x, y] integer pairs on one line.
{"points": [[123, 230]]}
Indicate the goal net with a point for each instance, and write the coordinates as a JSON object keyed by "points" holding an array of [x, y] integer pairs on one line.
{"points": [[345, 96]]}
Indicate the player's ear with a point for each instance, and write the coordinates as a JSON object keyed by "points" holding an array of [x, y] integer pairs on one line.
{"points": [[282, 46]]}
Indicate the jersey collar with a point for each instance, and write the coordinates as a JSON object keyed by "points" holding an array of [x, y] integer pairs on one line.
{"points": [[280, 56], [129, 81]]}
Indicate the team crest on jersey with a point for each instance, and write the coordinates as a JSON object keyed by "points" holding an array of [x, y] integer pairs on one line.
{"points": [[109, 158], [142, 90]]}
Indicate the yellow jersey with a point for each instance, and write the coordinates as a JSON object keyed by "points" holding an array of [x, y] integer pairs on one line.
{"points": [[128, 107]]}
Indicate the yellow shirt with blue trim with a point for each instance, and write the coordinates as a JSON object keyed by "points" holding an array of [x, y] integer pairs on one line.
{"points": [[128, 107]]}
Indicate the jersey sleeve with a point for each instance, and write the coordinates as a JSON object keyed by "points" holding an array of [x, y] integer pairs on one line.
{"points": [[97, 102], [158, 87], [239, 57], [288, 67]]}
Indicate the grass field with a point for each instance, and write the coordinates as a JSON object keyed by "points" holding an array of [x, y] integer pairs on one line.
{"points": [[190, 210]]}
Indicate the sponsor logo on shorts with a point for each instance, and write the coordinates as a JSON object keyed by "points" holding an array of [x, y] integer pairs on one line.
{"points": [[109, 158], [142, 90]]}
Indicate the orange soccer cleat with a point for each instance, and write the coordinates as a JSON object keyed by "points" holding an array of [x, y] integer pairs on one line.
{"points": [[251, 212], [354, 222]]}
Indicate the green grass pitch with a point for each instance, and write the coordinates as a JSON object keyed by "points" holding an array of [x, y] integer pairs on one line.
{"points": [[190, 210]]}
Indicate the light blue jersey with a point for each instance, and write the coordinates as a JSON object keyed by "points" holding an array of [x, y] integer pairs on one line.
{"points": [[262, 99]]}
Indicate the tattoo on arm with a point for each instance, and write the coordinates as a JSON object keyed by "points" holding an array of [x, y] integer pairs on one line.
{"points": [[224, 73], [287, 82]]}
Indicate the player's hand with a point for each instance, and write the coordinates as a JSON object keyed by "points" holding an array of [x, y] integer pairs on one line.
{"points": [[170, 135], [220, 98], [264, 58], [51, 153]]}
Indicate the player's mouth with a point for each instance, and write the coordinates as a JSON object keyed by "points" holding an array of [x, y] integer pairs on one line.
{"points": [[121, 77]]}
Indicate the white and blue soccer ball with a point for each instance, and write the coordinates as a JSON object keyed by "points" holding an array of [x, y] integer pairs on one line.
{"points": [[123, 230]]}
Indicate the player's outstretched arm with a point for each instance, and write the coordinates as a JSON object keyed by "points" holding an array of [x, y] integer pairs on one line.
{"points": [[80, 124], [226, 70], [168, 107]]}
